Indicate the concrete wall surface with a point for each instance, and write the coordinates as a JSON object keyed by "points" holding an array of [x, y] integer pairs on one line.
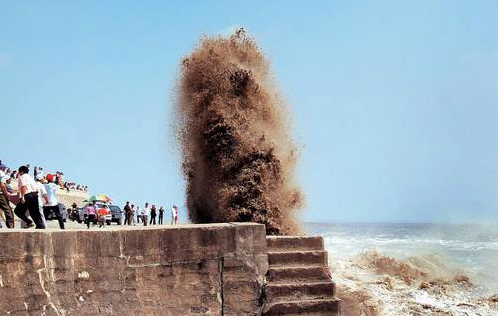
{"points": [[216, 269], [73, 196]]}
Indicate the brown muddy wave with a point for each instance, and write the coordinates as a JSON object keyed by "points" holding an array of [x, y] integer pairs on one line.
{"points": [[233, 130], [372, 284]]}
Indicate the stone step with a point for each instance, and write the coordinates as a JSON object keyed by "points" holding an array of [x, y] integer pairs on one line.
{"points": [[300, 291], [303, 307], [298, 258], [290, 274], [284, 243]]}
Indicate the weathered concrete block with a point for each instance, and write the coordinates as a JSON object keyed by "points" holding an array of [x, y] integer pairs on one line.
{"points": [[214, 269]]}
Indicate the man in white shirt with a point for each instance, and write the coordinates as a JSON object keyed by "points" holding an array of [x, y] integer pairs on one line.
{"points": [[52, 204], [28, 200], [131, 219], [145, 214], [42, 193]]}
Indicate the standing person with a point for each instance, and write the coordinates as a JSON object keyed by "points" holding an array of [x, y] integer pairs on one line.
{"points": [[4, 200], [127, 210], [160, 216], [28, 195], [59, 179], [101, 213], [135, 220], [38, 171], [52, 204], [74, 211], [3, 186], [132, 215], [138, 213], [145, 213], [90, 211], [42, 193], [175, 215], [153, 215]]}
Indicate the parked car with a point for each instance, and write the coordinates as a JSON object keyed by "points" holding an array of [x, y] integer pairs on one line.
{"points": [[51, 216], [82, 216], [116, 214]]}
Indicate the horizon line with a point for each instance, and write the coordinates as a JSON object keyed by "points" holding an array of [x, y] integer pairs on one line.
{"points": [[427, 223]]}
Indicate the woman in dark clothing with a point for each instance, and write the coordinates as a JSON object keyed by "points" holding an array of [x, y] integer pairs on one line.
{"points": [[160, 217], [152, 221]]}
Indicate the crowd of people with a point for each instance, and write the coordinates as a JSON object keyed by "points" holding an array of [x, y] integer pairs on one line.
{"points": [[132, 215], [136, 215], [12, 176], [95, 214], [33, 197]]}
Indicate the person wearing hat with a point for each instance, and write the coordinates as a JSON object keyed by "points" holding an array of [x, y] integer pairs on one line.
{"points": [[6, 210], [52, 204]]}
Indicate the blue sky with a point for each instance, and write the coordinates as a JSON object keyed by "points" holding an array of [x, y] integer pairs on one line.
{"points": [[394, 102]]}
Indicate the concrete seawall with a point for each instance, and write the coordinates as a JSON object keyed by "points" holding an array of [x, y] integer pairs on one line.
{"points": [[73, 196], [217, 269]]}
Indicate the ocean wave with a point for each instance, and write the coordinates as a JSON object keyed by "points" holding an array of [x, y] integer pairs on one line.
{"points": [[373, 284], [451, 244]]}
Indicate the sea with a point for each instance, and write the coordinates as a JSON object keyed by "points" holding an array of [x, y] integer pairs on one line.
{"points": [[413, 269]]}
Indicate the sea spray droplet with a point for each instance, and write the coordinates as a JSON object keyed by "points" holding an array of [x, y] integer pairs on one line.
{"points": [[233, 128]]}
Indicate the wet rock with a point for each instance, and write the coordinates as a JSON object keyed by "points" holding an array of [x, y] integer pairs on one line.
{"points": [[493, 298]]}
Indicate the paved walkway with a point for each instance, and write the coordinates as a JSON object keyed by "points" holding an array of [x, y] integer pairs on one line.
{"points": [[69, 225]]}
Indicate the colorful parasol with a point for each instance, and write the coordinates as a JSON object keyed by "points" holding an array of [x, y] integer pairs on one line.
{"points": [[99, 197]]}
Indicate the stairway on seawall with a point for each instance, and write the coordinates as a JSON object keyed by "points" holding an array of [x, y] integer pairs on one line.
{"points": [[299, 281]]}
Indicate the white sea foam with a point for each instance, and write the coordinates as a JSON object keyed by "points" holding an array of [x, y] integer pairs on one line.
{"points": [[412, 269], [371, 284]]}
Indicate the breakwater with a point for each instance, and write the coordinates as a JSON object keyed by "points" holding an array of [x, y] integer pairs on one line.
{"points": [[207, 269]]}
